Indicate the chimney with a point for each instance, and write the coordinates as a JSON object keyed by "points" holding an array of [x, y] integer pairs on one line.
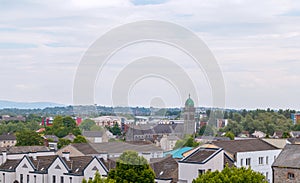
{"points": [[103, 155], [4, 156], [66, 155], [34, 155]]}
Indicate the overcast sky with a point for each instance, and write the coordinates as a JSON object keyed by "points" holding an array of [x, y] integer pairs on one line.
{"points": [[255, 42]]}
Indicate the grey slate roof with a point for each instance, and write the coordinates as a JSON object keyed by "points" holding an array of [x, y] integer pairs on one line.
{"points": [[289, 157], [8, 137], [53, 137], [114, 147], [165, 168], [92, 133], [120, 147], [248, 145], [201, 155], [24, 149]]}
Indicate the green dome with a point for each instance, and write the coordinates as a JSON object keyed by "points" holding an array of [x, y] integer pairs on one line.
{"points": [[189, 102]]}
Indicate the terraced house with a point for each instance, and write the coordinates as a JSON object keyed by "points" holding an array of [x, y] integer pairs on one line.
{"points": [[51, 169]]}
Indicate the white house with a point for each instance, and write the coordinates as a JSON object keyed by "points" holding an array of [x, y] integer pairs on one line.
{"points": [[48, 169], [200, 161], [254, 153]]}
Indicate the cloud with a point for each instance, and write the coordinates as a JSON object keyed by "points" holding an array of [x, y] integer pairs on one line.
{"points": [[255, 42]]}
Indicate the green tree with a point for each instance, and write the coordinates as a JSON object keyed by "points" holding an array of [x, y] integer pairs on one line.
{"points": [[188, 141], [87, 124], [80, 139], [230, 135], [132, 168], [229, 175], [115, 130], [28, 138], [63, 126], [63, 142]]}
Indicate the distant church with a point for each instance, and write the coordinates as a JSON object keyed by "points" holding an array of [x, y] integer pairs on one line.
{"points": [[189, 109]]}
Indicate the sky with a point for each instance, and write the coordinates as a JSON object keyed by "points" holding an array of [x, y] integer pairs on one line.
{"points": [[256, 44]]}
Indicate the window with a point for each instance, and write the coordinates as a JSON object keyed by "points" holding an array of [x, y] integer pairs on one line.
{"points": [[54, 179], [34, 178], [201, 171], [242, 162], [70, 179], [21, 178], [3, 177], [61, 179], [291, 176], [248, 161], [27, 178], [267, 175], [261, 160]]}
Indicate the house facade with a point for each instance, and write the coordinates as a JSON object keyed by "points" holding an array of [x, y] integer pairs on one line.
{"points": [[95, 136], [254, 153], [198, 162], [7, 140], [51, 169]]}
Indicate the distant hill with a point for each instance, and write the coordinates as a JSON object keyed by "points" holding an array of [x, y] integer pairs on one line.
{"points": [[27, 105]]}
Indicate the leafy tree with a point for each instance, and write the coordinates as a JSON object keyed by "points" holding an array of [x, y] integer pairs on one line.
{"points": [[229, 175], [234, 127], [132, 168], [230, 135], [115, 130], [188, 141], [206, 130], [28, 138], [80, 139], [63, 126], [63, 142], [87, 124]]}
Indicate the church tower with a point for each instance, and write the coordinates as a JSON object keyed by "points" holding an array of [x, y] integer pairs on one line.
{"points": [[189, 117]]}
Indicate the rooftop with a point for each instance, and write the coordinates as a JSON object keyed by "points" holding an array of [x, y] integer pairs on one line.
{"points": [[247, 145], [289, 157], [24, 149], [165, 168], [201, 155], [178, 153]]}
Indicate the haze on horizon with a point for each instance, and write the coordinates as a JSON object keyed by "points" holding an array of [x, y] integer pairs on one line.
{"points": [[256, 44]]}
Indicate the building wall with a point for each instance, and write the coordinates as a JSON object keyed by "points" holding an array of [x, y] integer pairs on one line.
{"points": [[89, 172], [7, 177], [53, 171], [281, 175], [264, 168], [20, 170], [7, 143], [162, 181], [189, 171]]}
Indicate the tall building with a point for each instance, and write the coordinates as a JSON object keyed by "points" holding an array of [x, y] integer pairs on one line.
{"points": [[189, 117]]}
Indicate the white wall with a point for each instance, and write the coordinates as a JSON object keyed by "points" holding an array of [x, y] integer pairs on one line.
{"points": [[263, 168], [189, 171], [57, 172], [88, 172], [25, 171], [9, 177]]}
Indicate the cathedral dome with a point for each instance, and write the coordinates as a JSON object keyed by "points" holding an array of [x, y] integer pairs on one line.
{"points": [[189, 102]]}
